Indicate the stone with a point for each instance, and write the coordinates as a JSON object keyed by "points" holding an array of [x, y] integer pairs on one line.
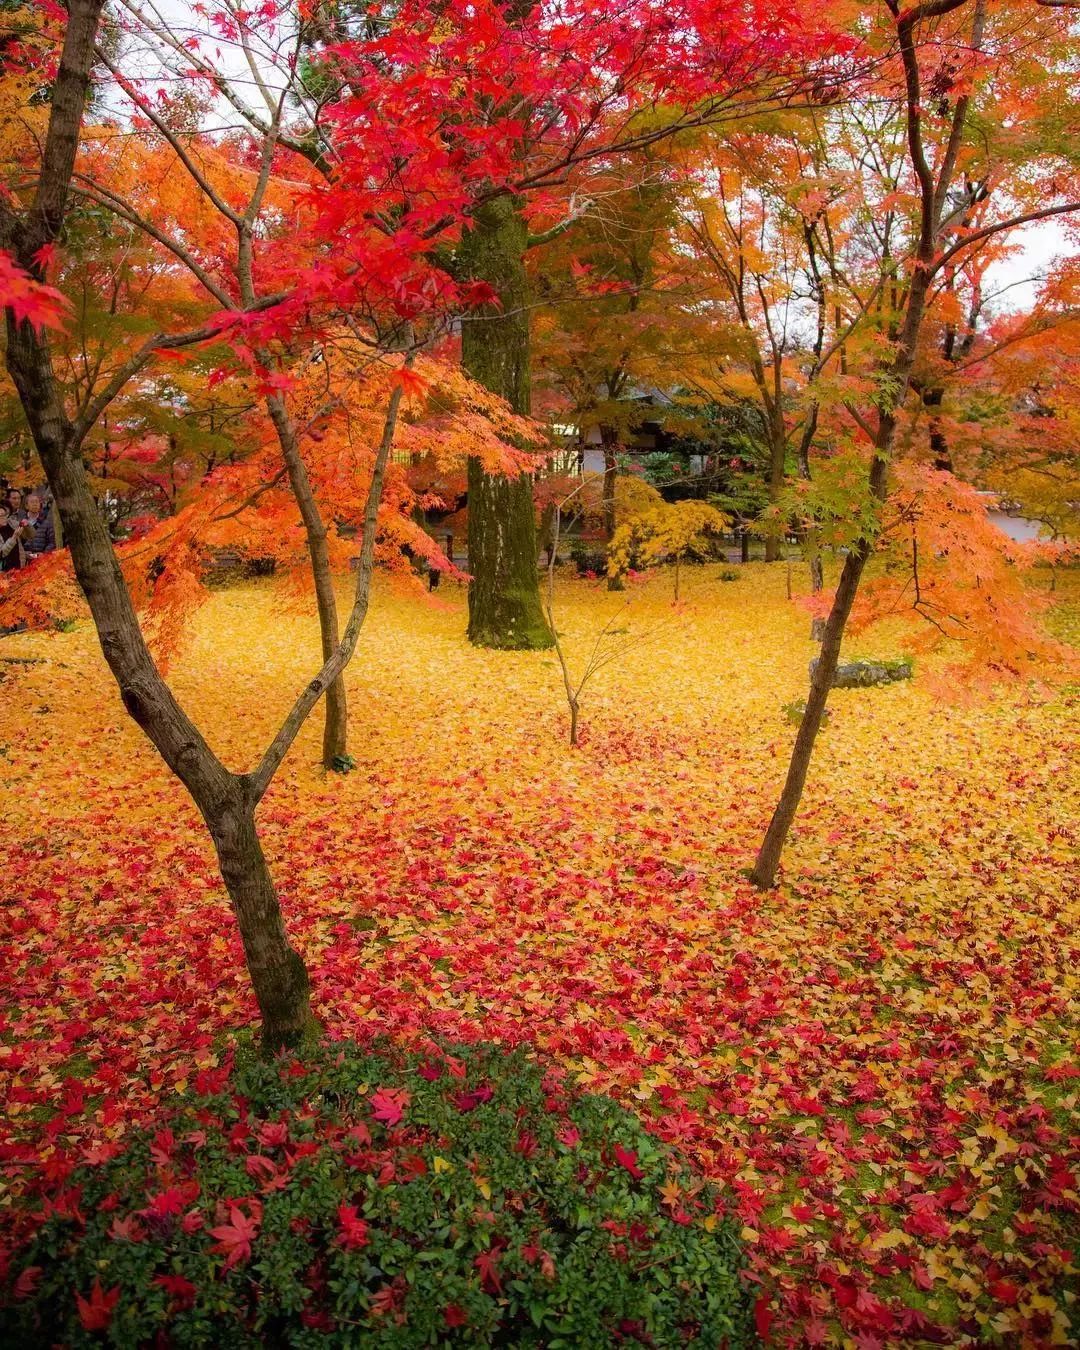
{"points": [[865, 674]]}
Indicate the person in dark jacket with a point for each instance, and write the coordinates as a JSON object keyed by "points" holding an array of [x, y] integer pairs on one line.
{"points": [[12, 555], [38, 534]]}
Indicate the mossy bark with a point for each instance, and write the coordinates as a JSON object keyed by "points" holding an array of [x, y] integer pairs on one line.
{"points": [[504, 593]]}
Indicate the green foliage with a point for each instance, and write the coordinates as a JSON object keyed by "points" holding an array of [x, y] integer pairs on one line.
{"points": [[796, 709], [465, 1197], [588, 561], [836, 502]]}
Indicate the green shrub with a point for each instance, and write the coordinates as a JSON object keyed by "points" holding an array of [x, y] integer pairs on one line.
{"points": [[356, 1198], [589, 562]]}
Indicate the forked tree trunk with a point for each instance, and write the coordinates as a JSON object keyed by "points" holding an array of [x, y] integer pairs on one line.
{"points": [[505, 610], [277, 971]]}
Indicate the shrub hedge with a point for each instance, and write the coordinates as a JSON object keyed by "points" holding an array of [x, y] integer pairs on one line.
{"points": [[372, 1198]]}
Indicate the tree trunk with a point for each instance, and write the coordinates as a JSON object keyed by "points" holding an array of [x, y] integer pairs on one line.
{"points": [[777, 461], [763, 874], [610, 442], [817, 572], [939, 441], [933, 193], [278, 975], [336, 713], [225, 800], [505, 610]]}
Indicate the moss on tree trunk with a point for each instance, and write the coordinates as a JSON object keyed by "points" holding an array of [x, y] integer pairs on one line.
{"points": [[504, 594]]}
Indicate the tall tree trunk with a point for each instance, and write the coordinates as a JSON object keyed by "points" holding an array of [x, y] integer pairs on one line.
{"points": [[609, 439], [335, 747], [896, 379], [505, 609], [768, 859], [777, 463], [817, 572]]}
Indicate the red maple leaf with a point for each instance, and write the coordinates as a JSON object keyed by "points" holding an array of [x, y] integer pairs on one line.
{"points": [[388, 1104], [455, 1316], [487, 1263], [235, 1237], [181, 1291], [627, 1157], [352, 1230], [95, 1313]]}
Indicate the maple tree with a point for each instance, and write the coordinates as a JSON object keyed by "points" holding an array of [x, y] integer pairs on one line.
{"points": [[751, 223], [588, 86], [940, 166], [227, 800], [667, 530]]}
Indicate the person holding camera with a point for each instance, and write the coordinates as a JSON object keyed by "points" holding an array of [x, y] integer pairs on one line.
{"points": [[12, 552]]}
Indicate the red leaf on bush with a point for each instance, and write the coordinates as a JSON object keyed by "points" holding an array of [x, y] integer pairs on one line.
{"points": [[487, 1263], [626, 1157], [455, 1316], [235, 1237], [172, 1200], [181, 1291], [469, 1101], [127, 1230], [388, 1105], [274, 1134], [27, 1282], [762, 1316], [352, 1230], [259, 1167], [95, 1313]]}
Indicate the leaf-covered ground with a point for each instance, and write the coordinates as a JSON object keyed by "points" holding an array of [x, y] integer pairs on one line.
{"points": [[879, 1060]]}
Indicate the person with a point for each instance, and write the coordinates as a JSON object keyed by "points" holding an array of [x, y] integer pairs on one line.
{"points": [[12, 554], [14, 505], [38, 534]]}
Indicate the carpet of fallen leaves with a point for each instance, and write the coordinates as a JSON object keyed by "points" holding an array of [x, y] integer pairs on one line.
{"points": [[878, 1060]]}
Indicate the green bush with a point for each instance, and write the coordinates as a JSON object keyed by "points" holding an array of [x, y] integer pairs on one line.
{"points": [[589, 561], [356, 1198]]}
